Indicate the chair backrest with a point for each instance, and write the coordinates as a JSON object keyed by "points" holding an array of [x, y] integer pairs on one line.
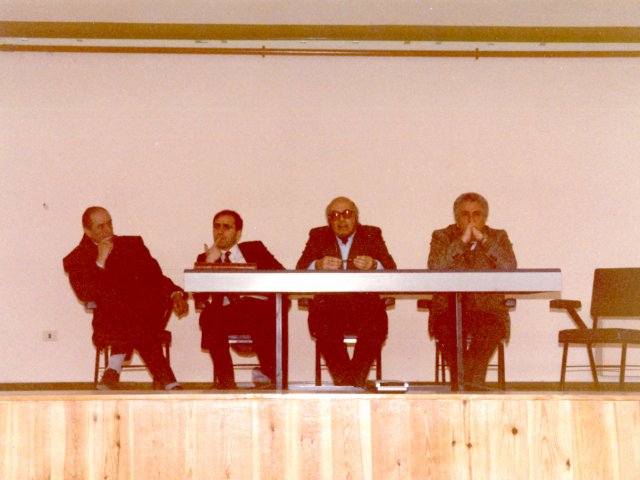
{"points": [[616, 292], [242, 344]]}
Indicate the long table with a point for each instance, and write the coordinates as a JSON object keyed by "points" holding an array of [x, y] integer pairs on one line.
{"points": [[404, 282]]}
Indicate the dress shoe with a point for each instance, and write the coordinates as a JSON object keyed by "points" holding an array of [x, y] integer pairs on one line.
{"points": [[110, 380], [479, 386], [259, 379], [217, 385]]}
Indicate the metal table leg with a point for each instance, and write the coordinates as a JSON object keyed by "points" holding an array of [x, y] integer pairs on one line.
{"points": [[459, 342], [279, 341]]}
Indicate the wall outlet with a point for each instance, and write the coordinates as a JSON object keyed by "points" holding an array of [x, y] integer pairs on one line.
{"points": [[50, 335]]}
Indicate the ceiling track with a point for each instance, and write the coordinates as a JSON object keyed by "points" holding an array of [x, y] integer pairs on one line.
{"points": [[321, 40]]}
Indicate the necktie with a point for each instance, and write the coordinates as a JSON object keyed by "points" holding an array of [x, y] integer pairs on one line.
{"points": [[230, 297]]}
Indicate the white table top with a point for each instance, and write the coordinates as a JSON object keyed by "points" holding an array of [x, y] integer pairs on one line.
{"points": [[380, 281]]}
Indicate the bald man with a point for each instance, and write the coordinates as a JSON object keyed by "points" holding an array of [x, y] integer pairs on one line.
{"points": [[345, 244], [130, 292]]}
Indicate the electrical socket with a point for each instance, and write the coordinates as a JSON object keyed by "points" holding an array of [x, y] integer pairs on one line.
{"points": [[50, 335]]}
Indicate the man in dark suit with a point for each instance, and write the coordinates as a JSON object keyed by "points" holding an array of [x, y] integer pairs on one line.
{"points": [[470, 244], [237, 314], [344, 244], [131, 294]]}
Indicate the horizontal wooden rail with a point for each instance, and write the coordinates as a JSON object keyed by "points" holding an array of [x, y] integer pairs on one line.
{"points": [[372, 40], [264, 52], [403, 33]]}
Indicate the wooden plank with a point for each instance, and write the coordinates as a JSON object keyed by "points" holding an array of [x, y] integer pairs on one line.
{"points": [[381, 33], [291, 436], [464, 41]]}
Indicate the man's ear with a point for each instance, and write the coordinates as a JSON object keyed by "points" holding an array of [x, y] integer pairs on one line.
{"points": [[238, 235]]}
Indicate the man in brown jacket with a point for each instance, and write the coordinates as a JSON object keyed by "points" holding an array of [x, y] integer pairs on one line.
{"points": [[470, 244]]}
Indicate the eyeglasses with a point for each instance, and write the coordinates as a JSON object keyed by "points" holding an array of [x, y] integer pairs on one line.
{"points": [[335, 215]]}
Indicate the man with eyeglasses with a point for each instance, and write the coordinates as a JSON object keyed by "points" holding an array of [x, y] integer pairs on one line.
{"points": [[237, 314], [345, 244], [470, 244]]}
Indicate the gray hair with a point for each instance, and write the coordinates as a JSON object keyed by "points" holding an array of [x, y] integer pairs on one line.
{"points": [[470, 197], [341, 199]]}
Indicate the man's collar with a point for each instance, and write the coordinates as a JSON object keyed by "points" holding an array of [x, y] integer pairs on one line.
{"points": [[346, 240], [233, 249]]}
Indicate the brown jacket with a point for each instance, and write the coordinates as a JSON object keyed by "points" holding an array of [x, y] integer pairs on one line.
{"points": [[447, 252]]}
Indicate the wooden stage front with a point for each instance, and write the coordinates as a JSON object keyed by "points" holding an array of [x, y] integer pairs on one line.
{"points": [[246, 435]]}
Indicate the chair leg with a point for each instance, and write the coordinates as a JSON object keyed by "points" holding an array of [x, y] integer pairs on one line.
{"points": [[441, 367], [563, 370], [318, 367], [106, 351], [379, 366], [96, 368], [501, 379], [623, 364], [592, 364]]}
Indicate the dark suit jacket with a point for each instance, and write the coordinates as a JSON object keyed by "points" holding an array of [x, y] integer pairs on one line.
{"points": [[447, 252], [253, 252], [367, 241], [131, 293]]}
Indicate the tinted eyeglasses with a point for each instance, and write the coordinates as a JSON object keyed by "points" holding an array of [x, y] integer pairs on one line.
{"points": [[335, 215]]}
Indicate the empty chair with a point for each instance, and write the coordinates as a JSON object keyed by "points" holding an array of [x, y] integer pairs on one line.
{"points": [[616, 294]]}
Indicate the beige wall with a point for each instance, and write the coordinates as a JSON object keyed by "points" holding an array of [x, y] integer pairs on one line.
{"points": [[402, 12], [164, 141]]}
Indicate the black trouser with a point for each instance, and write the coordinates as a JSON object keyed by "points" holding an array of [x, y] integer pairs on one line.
{"points": [[331, 317], [481, 333], [150, 350], [244, 315]]}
